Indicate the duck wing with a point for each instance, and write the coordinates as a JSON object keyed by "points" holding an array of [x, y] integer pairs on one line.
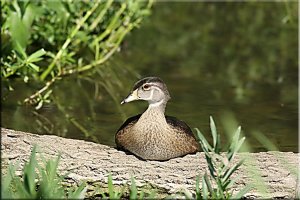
{"points": [[125, 127], [180, 125], [129, 122]]}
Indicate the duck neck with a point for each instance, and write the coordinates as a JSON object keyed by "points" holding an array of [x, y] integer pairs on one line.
{"points": [[159, 106], [155, 112]]}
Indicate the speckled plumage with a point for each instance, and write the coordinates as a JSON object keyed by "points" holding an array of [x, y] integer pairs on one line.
{"points": [[154, 136]]}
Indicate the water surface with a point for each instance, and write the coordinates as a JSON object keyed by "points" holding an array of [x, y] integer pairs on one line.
{"points": [[226, 60]]}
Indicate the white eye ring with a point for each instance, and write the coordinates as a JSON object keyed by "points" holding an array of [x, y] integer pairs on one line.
{"points": [[146, 87]]}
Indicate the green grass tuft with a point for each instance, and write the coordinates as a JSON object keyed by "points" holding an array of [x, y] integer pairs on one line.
{"points": [[217, 184], [46, 184]]}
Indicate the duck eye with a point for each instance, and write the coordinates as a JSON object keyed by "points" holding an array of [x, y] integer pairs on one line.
{"points": [[146, 87]]}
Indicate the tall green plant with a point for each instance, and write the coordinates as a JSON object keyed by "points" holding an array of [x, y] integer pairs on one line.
{"points": [[218, 183], [48, 184], [46, 41], [134, 193]]}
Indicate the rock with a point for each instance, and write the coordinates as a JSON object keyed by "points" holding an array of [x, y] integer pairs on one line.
{"points": [[272, 174]]}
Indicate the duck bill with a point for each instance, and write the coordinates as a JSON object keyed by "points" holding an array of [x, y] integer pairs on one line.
{"points": [[131, 97]]}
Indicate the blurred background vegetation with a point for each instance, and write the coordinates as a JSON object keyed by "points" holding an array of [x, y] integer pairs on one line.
{"points": [[236, 61]]}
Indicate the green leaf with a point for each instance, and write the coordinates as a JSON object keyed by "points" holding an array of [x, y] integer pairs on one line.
{"points": [[203, 142], [19, 32], [20, 50], [17, 8], [187, 194], [220, 189], [211, 167], [6, 181], [207, 182], [34, 67], [231, 170], [21, 190], [47, 95], [229, 183], [234, 144], [29, 15], [111, 188], [51, 168], [238, 146], [133, 189], [79, 193], [51, 182], [214, 134], [198, 192], [99, 18], [40, 104], [242, 192], [141, 195], [204, 189], [61, 13], [30, 174], [36, 56], [152, 195]]}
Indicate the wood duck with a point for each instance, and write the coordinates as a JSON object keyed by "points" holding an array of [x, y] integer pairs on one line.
{"points": [[152, 135]]}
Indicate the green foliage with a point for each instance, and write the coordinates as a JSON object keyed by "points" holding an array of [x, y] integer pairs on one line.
{"points": [[220, 166], [46, 184], [48, 40], [112, 192], [134, 193]]}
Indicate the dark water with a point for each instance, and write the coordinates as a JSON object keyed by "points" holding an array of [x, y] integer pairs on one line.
{"points": [[237, 62]]}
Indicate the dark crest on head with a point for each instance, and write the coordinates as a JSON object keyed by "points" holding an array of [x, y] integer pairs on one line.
{"points": [[146, 80]]}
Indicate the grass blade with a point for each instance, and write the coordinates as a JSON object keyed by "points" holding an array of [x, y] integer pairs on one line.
{"points": [[110, 187], [204, 189], [198, 192], [232, 147], [30, 174], [207, 182], [133, 189], [203, 142], [78, 193], [6, 182], [242, 192], [231, 170], [36, 56], [214, 134], [220, 189]]}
